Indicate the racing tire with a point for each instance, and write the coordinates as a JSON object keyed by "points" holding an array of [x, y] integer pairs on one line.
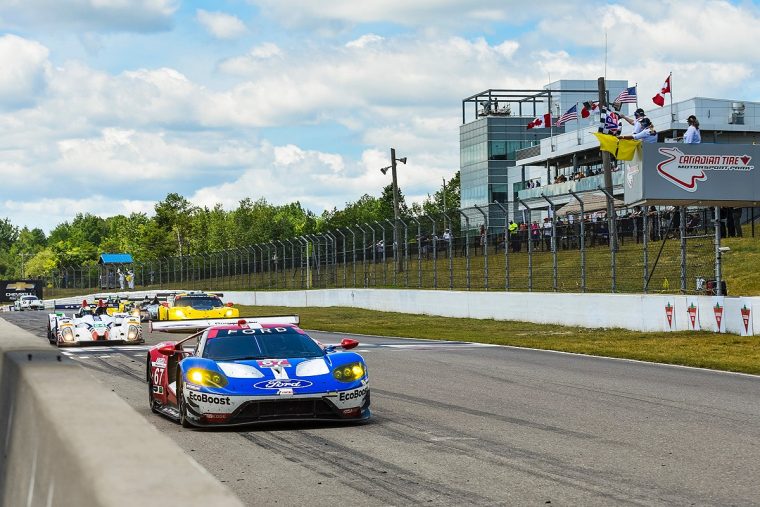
{"points": [[50, 335], [181, 407], [151, 402]]}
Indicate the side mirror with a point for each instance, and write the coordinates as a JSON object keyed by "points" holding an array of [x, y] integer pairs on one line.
{"points": [[348, 343], [168, 350], [229, 303]]}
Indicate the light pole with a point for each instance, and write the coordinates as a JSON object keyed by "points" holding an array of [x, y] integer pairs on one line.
{"points": [[392, 167]]}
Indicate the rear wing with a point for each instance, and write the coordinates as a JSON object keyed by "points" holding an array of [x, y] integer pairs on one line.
{"points": [[181, 326]]}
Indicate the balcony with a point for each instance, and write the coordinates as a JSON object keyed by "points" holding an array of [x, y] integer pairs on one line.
{"points": [[586, 184]]}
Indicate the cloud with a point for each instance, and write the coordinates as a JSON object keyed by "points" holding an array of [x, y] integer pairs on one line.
{"points": [[419, 13], [47, 213], [221, 25], [91, 15], [26, 71]]}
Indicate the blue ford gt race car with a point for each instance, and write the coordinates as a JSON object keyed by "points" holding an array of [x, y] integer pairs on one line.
{"points": [[247, 373]]}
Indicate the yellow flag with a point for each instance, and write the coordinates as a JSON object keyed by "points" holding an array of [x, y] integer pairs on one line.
{"points": [[622, 149]]}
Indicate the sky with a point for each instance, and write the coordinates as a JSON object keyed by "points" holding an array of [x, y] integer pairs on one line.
{"points": [[106, 106]]}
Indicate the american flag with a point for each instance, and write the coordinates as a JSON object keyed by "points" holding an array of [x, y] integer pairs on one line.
{"points": [[627, 96], [571, 114]]}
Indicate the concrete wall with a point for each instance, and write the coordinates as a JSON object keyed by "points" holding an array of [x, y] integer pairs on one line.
{"points": [[66, 440], [639, 312]]}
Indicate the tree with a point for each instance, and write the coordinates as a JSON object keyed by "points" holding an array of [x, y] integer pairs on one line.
{"points": [[8, 234], [174, 214]]}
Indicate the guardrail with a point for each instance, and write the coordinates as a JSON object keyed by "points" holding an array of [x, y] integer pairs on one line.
{"points": [[66, 440]]}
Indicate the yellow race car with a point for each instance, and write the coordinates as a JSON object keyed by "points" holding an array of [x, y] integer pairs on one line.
{"points": [[196, 305]]}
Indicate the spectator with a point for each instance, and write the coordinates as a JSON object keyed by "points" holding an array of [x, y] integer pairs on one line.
{"points": [[636, 122], [447, 238], [514, 238], [535, 234], [692, 135], [131, 279], [547, 234], [121, 279], [648, 134]]}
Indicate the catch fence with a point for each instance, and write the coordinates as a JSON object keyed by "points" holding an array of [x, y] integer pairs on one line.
{"points": [[658, 251]]}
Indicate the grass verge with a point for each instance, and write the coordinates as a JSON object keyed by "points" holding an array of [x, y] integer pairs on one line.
{"points": [[702, 349]]}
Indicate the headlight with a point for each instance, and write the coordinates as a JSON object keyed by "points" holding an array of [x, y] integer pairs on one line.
{"points": [[206, 378], [229, 313], [349, 372], [179, 313], [133, 333], [68, 334]]}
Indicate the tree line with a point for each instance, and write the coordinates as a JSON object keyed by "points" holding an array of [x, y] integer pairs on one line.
{"points": [[180, 228]]}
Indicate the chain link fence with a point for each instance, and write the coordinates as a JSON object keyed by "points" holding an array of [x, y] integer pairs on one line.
{"points": [[659, 250]]}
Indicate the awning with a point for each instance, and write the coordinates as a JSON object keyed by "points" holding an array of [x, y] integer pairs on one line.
{"points": [[592, 201], [115, 258]]}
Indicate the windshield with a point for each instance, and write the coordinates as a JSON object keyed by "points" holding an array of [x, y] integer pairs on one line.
{"points": [[261, 346], [29, 298], [199, 302]]}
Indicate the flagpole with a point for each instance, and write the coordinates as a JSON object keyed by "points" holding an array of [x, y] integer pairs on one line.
{"points": [[670, 81], [577, 123], [637, 94]]}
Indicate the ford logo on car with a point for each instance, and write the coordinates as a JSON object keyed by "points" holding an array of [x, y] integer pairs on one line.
{"points": [[282, 384]]}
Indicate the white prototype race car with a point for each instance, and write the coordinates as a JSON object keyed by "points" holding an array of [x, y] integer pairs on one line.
{"points": [[91, 325]]}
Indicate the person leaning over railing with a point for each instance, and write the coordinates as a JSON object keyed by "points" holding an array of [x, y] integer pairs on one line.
{"points": [[648, 134], [692, 135]]}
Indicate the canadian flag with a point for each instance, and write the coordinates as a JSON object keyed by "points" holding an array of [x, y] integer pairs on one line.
{"points": [[544, 121], [659, 99], [587, 108]]}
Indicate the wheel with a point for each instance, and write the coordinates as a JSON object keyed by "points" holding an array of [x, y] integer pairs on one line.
{"points": [[50, 334], [151, 402], [182, 407]]}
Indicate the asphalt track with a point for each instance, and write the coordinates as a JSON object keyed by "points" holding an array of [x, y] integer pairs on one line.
{"points": [[457, 424]]}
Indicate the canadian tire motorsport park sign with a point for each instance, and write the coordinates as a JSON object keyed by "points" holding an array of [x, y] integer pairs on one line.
{"points": [[694, 174]]}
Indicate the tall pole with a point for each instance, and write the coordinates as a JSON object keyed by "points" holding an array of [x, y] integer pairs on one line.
{"points": [[607, 165], [399, 260]]}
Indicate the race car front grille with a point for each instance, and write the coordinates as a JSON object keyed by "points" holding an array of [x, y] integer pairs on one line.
{"points": [[273, 410]]}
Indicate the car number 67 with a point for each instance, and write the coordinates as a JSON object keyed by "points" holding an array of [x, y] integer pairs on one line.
{"points": [[157, 375]]}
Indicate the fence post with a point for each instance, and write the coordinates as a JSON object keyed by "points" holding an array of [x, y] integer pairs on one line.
{"points": [[718, 288], [353, 251], [552, 210], [530, 247], [434, 239], [582, 240], [394, 249], [466, 244], [484, 243], [419, 251], [612, 236], [345, 267], [364, 253], [506, 244]]}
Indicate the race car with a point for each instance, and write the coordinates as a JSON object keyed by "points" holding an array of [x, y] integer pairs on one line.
{"points": [[92, 325], [248, 373], [28, 303], [196, 305]]}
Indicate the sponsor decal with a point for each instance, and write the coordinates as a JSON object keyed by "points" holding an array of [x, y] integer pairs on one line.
{"points": [[158, 389], [669, 314], [209, 398], [692, 310], [285, 392], [718, 310], [685, 171], [633, 170], [352, 395], [161, 361], [282, 384], [272, 363], [745, 317]]}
